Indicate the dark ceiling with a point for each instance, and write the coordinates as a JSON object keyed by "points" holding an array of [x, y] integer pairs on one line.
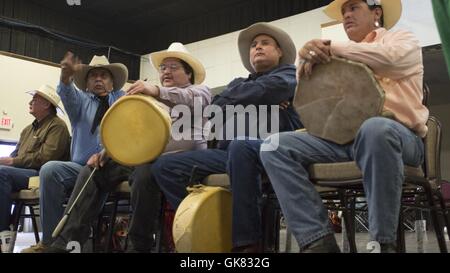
{"points": [[137, 15], [143, 26], [141, 15]]}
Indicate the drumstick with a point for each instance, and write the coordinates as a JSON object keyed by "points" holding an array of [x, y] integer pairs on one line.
{"points": [[66, 216]]}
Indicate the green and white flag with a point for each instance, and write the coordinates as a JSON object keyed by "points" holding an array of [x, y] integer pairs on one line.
{"points": [[441, 9]]}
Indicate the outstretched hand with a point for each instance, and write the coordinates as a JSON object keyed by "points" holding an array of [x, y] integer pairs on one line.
{"points": [[69, 65]]}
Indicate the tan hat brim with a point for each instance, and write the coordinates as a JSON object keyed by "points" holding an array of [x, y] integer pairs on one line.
{"points": [[48, 98], [392, 11], [284, 40], [118, 71], [199, 71]]}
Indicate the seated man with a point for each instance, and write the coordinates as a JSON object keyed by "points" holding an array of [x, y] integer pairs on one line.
{"points": [[181, 75], [100, 83], [382, 146], [268, 53], [47, 138]]}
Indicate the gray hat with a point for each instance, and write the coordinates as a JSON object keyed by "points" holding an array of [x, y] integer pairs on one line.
{"points": [[283, 39]]}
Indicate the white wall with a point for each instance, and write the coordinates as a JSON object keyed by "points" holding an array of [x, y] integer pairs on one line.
{"points": [[17, 77], [220, 55], [221, 59], [417, 17]]}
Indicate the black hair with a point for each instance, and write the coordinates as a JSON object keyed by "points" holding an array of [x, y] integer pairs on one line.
{"points": [[52, 109], [188, 69], [372, 7]]}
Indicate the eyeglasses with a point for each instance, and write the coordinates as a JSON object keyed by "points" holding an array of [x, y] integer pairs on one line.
{"points": [[171, 67], [35, 99]]}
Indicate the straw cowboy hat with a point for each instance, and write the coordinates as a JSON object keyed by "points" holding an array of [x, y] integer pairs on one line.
{"points": [[177, 50], [48, 93], [118, 71], [284, 40], [392, 10]]}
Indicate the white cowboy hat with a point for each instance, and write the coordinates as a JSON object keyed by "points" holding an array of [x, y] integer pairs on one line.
{"points": [[177, 50], [392, 10], [48, 93], [283, 39], [118, 71]]}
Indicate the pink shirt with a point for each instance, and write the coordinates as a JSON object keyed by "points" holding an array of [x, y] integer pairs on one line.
{"points": [[189, 95], [396, 60]]}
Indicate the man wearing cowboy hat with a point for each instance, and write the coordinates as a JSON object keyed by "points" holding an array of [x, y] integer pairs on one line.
{"points": [[47, 138], [268, 53], [181, 77], [99, 85], [382, 146]]}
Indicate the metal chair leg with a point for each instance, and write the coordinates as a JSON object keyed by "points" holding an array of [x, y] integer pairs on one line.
{"points": [[349, 218], [401, 248], [33, 221], [16, 215], [445, 212], [288, 248], [112, 222], [434, 217], [159, 236]]}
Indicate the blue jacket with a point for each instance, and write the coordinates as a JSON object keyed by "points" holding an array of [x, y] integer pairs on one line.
{"points": [[81, 107], [262, 89]]}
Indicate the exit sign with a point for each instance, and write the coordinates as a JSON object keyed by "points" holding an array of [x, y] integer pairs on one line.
{"points": [[6, 123]]}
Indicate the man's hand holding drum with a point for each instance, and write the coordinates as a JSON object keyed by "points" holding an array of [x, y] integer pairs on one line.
{"points": [[313, 52], [142, 87]]}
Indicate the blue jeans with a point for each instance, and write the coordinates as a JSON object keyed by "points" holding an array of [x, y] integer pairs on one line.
{"points": [[57, 179], [381, 148], [146, 205], [245, 169], [90, 202], [241, 161], [11, 180]]}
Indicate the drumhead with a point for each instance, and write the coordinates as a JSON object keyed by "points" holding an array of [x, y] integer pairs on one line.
{"points": [[135, 130], [338, 97], [202, 222]]}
